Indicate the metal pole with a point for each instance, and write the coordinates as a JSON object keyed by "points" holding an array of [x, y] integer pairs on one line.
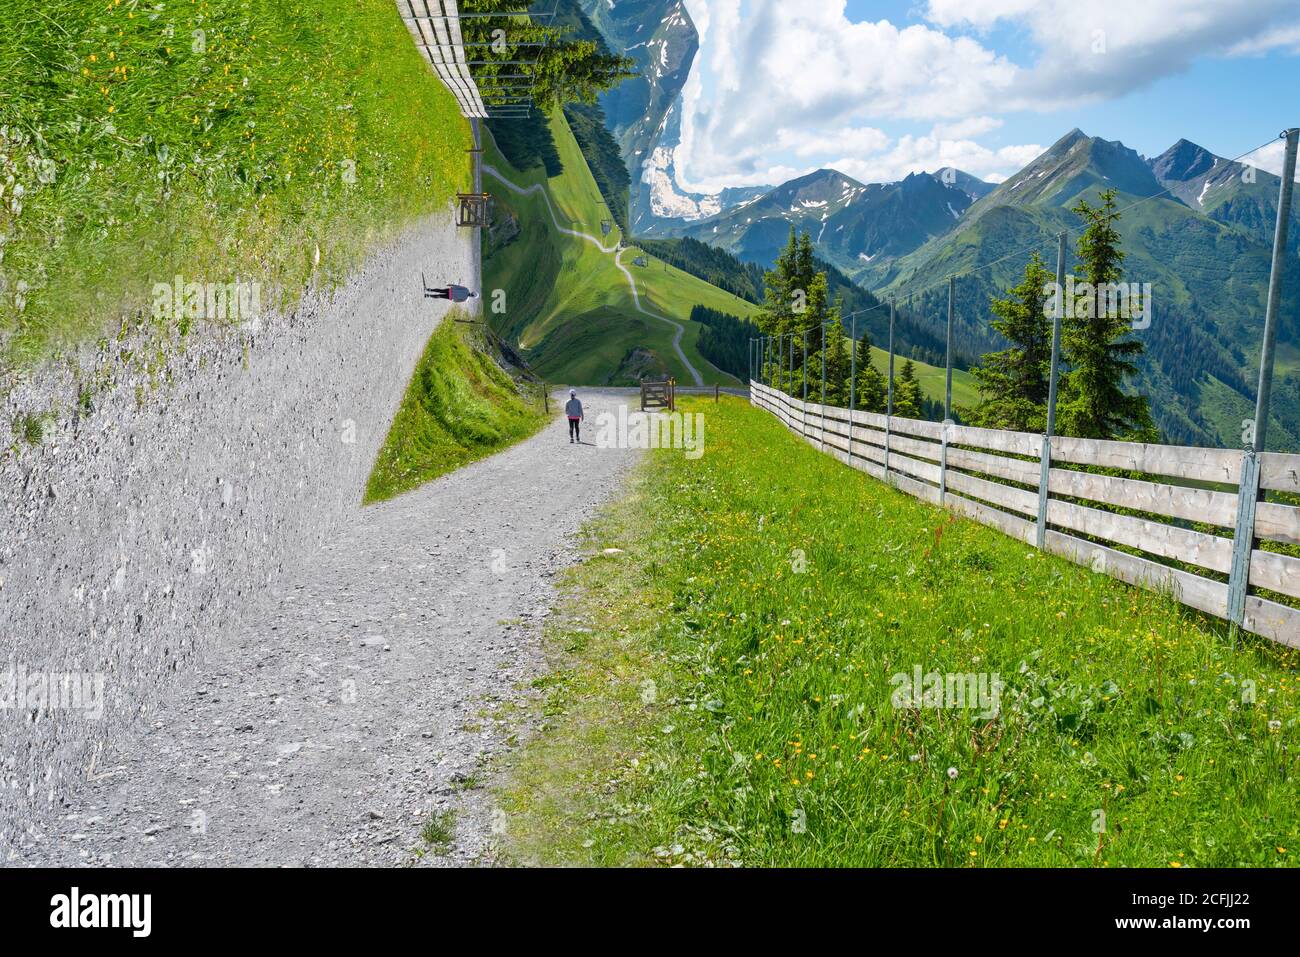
{"points": [[853, 380], [889, 402], [805, 384], [1275, 290], [1058, 314], [790, 387], [823, 386], [947, 401], [1248, 494], [780, 347]]}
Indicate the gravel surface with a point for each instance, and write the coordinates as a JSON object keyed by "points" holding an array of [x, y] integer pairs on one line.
{"points": [[369, 691]]}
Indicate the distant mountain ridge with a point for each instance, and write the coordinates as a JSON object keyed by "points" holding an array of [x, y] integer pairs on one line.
{"points": [[1208, 263], [644, 113], [1228, 192], [852, 223]]}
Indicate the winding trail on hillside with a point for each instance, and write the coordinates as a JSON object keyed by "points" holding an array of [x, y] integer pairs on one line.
{"points": [[368, 689], [617, 252]]}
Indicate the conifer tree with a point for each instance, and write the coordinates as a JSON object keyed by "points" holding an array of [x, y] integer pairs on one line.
{"points": [[872, 386], [1014, 381], [835, 355], [908, 398], [1101, 356]]}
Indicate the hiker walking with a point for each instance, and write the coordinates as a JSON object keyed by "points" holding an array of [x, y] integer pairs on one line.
{"points": [[453, 293], [573, 409]]}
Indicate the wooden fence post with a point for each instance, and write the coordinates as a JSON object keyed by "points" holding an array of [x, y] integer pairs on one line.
{"points": [[1243, 539], [1043, 490], [943, 464]]}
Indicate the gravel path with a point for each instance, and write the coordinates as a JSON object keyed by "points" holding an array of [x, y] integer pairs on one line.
{"points": [[370, 694]]}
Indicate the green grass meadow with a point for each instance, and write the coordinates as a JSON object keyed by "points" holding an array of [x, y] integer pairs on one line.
{"points": [[216, 141], [460, 406], [723, 691], [567, 304]]}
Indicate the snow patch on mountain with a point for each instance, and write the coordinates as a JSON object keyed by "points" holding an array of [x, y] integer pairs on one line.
{"points": [[666, 201]]}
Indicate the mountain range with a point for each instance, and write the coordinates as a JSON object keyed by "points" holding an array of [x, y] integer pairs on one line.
{"points": [[1197, 226], [852, 223], [644, 113]]}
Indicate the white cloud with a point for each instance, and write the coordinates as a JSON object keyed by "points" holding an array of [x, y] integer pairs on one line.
{"points": [[1281, 38], [915, 154], [1100, 49], [1270, 158], [775, 76], [780, 88], [866, 139]]}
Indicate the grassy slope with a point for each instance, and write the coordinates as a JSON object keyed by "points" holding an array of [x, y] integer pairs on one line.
{"points": [[965, 391], [933, 379], [220, 159], [567, 304], [711, 704], [1226, 409], [460, 406]]}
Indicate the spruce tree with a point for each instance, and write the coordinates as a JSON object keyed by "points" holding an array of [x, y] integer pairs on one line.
{"points": [[835, 355], [562, 69], [797, 300], [778, 284], [1014, 382], [872, 386], [1093, 402], [908, 398]]}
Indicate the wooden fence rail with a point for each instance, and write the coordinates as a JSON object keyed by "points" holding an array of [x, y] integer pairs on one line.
{"points": [[999, 478]]}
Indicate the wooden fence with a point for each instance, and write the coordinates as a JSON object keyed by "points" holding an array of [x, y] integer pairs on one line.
{"points": [[659, 395], [435, 27], [1003, 479]]}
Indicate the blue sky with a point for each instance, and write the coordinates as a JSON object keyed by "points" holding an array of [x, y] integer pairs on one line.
{"points": [[880, 88]]}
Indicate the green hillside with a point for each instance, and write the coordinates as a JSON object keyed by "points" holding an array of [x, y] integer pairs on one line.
{"points": [[263, 142], [1208, 279], [458, 407], [933, 379], [567, 304]]}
